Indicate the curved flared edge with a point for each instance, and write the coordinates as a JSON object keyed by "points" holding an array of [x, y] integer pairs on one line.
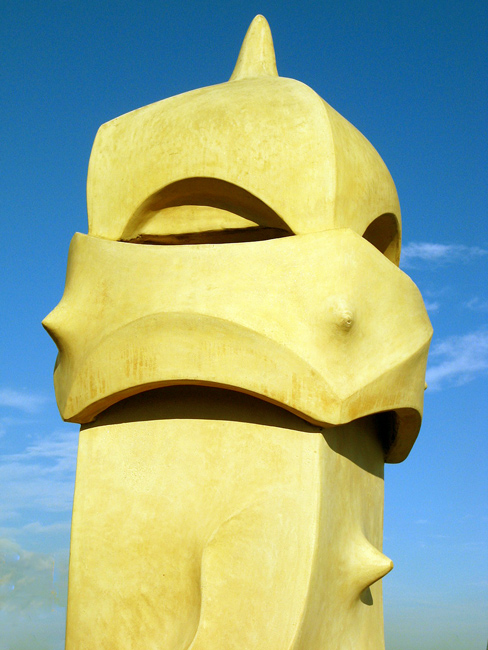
{"points": [[283, 378]]}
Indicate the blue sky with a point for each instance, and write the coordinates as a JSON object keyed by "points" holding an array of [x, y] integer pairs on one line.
{"points": [[410, 76]]}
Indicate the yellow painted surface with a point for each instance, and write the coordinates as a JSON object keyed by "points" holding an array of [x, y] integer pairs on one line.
{"points": [[260, 147], [251, 531], [323, 325], [244, 354]]}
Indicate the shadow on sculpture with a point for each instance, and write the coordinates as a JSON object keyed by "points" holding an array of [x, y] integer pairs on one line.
{"points": [[243, 354]]}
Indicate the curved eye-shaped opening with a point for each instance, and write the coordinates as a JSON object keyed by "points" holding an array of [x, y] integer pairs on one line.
{"points": [[384, 234], [203, 210]]}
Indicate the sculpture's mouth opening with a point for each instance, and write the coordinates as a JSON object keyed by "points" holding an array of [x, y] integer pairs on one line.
{"points": [[200, 402]]}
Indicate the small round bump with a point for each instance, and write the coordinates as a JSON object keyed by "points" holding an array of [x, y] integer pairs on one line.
{"points": [[340, 313], [346, 320]]}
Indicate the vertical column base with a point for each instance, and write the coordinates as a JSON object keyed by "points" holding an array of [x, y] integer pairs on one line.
{"points": [[215, 534]]}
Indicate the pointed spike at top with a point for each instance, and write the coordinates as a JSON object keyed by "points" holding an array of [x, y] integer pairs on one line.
{"points": [[257, 55]]}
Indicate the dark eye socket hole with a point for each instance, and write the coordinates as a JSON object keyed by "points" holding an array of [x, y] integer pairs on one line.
{"points": [[241, 215], [227, 236], [384, 234]]}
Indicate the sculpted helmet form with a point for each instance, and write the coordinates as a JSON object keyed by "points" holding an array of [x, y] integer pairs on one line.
{"points": [[240, 270], [216, 166]]}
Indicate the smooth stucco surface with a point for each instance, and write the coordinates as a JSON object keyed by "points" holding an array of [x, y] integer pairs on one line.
{"points": [[220, 533], [243, 354]]}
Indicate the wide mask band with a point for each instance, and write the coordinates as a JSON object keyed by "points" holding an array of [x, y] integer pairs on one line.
{"points": [[321, 324]]}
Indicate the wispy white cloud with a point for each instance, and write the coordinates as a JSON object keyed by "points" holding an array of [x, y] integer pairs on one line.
{"points": [[30, 580], [476, 304], [474, 545], [37, 528], [27, 402], [458, 359], [432, 305], [42, 629], [38, 535], [434, 298], [9, 421], [59, 447], [433, 253], [39, 477], [6, 422]]}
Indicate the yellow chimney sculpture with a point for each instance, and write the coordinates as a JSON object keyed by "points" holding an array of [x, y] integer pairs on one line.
{"points": [[243, 355]]}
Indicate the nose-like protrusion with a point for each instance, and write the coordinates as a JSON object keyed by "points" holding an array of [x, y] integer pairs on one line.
{"points": [[368, 564], [52, 323]]}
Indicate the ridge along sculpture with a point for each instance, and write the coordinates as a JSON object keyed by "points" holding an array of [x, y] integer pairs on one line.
{"points": [[243, 354]]}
